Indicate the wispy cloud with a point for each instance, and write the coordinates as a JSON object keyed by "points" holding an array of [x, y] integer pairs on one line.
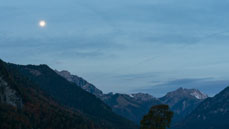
{"points": [[130, 77]]}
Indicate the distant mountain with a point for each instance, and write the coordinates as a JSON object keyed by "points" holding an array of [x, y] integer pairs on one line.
{"points": [[133, 107], [183, 101], [80, 82], [72, 96], [213, 113], [24, 106]]}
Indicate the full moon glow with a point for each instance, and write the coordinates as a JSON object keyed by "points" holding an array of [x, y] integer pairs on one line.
{"points": [[42, 23]]}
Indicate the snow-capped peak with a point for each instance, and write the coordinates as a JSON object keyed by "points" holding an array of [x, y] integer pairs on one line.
{"points": [[199, 95]]}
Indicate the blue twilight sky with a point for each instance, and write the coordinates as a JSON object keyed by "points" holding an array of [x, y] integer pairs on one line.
{"points": [[125, 46]]}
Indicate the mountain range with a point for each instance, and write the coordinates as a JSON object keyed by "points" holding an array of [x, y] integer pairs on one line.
{"points": [[192, 109], [35, 96], [135, 106]]}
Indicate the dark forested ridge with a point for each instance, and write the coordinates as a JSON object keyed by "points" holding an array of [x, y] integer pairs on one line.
{"points": [[36, 97], [23, 106]]}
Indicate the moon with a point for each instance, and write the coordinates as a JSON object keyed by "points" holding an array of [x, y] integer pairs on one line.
{"points": [[42, 23]]}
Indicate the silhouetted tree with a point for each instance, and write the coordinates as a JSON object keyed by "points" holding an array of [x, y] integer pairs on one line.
{"points": [[159, 117]]}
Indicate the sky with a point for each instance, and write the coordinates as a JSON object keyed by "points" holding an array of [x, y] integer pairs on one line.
{"points": [[125, 46]]}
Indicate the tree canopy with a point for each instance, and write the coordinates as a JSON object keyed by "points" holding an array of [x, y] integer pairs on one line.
{"points": [[159, 117]]}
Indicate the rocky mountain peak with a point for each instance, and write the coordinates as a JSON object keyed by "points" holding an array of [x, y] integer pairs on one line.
{"points": [[182, 92], [212, 113], [67, 75], [198, 94], [80, 82], [183, 101], [142, 96]]}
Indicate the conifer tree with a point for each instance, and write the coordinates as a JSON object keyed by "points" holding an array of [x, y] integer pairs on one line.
{"points": [[159, 117]]}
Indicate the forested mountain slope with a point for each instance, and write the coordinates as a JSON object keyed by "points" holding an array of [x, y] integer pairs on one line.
{"points": [[72, 96], [24, 106]]}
